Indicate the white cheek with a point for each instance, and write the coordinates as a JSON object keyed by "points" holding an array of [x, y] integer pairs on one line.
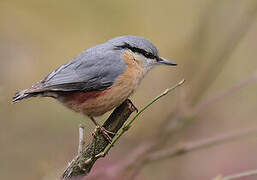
{"points": [[149, 64], [146, 62]]}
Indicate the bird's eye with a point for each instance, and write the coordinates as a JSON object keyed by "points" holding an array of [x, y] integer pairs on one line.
{"points": [[137, 50], [149, 55]]}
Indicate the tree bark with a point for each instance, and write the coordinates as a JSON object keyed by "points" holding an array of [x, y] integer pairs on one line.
{"points": [[83, 162]]}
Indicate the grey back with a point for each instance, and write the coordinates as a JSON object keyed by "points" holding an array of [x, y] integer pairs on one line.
{"points": [[94, 69]]}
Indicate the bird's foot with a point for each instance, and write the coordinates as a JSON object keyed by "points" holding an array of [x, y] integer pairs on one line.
{"points": [[104, 132]]}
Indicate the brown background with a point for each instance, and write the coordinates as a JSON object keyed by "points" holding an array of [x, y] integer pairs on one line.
{"points": [[214, 43]]}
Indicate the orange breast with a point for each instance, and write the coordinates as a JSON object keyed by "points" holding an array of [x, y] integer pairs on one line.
{"points": [[96, 103]]}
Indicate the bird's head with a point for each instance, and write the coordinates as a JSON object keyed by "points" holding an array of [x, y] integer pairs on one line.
{"points": [[142, 50]]}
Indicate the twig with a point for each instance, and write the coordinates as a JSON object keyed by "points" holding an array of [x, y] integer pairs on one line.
{"points": [[117, 169], [184, 148], [134, 163], [189, 147], [233, 40], [81, 139], [94, 145], [206, 103], [82, 164], [240, 175], [237, 176], [127, 126]]}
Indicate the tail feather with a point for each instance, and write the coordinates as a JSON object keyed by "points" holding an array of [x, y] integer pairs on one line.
{"points": [[22, 95]]}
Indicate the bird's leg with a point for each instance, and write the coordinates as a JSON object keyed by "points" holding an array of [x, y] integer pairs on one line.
{"points": [[104, 131]]}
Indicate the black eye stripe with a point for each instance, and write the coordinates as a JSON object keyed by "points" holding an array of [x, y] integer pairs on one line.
{"points": [[137, 50]]}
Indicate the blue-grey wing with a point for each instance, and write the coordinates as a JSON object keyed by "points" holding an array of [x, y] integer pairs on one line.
{"points": [[95, 69]]}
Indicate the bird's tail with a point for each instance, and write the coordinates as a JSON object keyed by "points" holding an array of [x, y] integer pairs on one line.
{"points": [[22, 95]]}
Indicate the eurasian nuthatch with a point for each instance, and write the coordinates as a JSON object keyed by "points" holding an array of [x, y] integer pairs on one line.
{"points": [[101, 77]]}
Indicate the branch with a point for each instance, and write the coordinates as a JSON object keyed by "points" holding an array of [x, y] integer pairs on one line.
{"points": [[81, 139], [210, 101], [184, 148], [127, 126], [99, 146], [189, 147], [82, 163], [232, 41], [143, 155], [237, 176]]}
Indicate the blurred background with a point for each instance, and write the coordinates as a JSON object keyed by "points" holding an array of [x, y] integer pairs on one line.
{"points": [[213, 41]]}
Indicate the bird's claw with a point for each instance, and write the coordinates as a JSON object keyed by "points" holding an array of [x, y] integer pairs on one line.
{"points": [[104, 132]]}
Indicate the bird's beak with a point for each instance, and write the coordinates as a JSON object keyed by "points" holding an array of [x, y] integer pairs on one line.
{"points": [[166, 62]]}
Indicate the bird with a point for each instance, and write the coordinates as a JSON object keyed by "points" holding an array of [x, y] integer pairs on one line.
{"points": [[100, 78]]}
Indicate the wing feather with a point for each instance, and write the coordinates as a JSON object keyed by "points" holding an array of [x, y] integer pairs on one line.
{"points": [[94, 69]]}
